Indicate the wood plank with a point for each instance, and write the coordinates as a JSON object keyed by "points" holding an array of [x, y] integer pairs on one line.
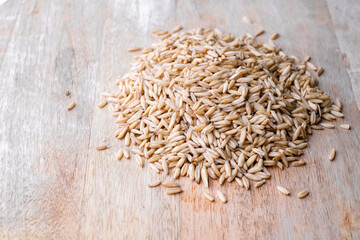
{"points": [[54, 48], [345, 17]]}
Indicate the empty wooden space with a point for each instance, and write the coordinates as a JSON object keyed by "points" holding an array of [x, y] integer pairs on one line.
{"points": [[54, 184]]}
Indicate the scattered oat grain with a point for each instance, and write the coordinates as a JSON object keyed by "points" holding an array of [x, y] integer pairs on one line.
{"points": [[174, 190], [208, 196], [120, 154], [260, 183], [345, 126], [262, 31], [283, 190], [102, 104], [134, 49], [126, 153], [71, 106], [222, 196], [100, 148], [274, 36], [302, 194], [320, 71], [154, 184], [332, 154]]}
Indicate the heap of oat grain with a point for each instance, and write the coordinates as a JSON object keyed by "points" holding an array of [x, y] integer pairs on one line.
{"points": [[208, 105]]}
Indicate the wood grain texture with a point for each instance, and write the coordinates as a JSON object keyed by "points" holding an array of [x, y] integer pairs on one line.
{"points": [[55, 185], [8, 20], [345, 17]]}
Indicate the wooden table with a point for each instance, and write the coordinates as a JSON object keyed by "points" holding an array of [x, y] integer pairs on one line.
{"points": [[55, 185]]}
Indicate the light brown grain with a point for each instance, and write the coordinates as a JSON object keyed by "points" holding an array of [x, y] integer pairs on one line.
{"points": [[283, 190], [303, 194], [71, 106], [100, 148], [320, 71], [222, 196], [208, 196], [170, 184], [126, 153], [154, 184], [120, 154], [102, 104], [173, 190], [134, 49], [345, 126], [332, 154], [260, 183], [274, 36], [260, 32]]}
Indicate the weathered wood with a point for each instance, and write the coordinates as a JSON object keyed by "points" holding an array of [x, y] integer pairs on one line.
{"points": [[345, 17], [8, 18], [53, 48], [55, 184]]}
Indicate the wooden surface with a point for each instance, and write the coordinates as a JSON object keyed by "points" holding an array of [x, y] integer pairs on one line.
{"points": [[55, 185]]}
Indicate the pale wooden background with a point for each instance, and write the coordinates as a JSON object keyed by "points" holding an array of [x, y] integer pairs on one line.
{"points": [[55, 185]]}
